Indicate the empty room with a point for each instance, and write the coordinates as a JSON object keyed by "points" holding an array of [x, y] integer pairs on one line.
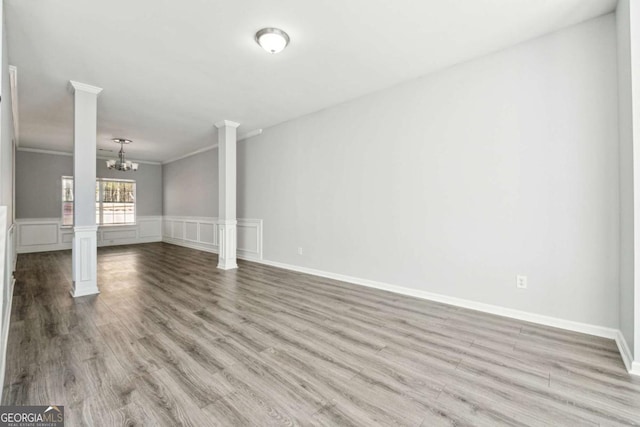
{"points": [[336, 213]]}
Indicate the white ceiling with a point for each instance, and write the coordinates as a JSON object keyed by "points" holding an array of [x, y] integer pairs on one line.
{"points": [[170, 69]]}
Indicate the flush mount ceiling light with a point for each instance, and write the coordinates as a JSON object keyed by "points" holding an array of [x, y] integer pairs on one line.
{"points": [[121, 163], [273, 40]]}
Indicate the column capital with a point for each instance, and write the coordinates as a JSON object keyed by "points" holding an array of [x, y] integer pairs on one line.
{"points": [[83, 87], [226, 123]]}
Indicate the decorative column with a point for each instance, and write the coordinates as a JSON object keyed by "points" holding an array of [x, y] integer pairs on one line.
{"points": [[227, 221], [85, 243]]}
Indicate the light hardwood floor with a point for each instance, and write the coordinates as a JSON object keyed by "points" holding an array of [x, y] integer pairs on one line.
{"points": [[172, 341]]}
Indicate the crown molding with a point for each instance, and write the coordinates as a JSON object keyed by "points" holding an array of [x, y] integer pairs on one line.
{"points": [[227, 123], [83, 87], [40, 151], [66, 153], [192, 153], [242, 137], [251, 134], [13, 80]]}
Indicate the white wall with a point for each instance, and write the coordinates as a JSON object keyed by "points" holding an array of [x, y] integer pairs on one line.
{"points": [[458, 181], [7, 246], [625, 128]]}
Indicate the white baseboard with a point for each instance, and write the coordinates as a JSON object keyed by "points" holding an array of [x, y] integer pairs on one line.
{"points": [[203, 247], [570, 325], [5, 335], [192, 245], [625, 352], [585, 328]]}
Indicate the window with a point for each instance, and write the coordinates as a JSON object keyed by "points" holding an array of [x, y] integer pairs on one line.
{"points": [[115, 201]]}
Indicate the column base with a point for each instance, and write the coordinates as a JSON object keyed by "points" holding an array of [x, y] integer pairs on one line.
{"points": [[84, 255], [227, 231]]}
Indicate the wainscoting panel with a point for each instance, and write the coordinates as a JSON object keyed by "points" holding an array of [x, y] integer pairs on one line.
{"points": [[38, 234], [48, 234], [149, 227], [191, 231], [202, 233], [207, 233], [112, 235]]}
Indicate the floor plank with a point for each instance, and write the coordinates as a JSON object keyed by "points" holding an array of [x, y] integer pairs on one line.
{"points": [[172, 340]]}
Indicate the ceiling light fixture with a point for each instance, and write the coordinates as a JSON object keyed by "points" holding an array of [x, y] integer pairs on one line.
{"points": [[273, 40], [121, 163]]}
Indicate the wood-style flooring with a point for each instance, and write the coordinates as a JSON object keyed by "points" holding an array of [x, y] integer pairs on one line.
{"points": [[171, 340]]}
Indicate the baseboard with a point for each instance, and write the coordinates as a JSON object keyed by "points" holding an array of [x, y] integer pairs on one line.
{"points": [[625, 352], [5, 335], [570, 325], [135, 241], [203, 247], [192, 245], [635, 368], [67, 246]]}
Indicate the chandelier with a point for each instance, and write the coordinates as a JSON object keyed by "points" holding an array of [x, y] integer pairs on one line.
{"points": [[121, 164]]}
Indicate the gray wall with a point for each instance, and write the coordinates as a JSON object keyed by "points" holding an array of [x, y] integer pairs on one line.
{"points": [[6, 145], [457, 182], [38, 184], [191, 186], [625, 120]]}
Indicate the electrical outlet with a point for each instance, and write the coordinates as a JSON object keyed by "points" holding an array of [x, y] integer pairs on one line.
{"points": [[521, 282], [300, 251]]}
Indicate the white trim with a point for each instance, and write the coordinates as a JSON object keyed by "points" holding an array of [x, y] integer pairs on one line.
{"points": [[13, 78], [83, 87], [625, 352], [570, 325], [69, 154], [202, 247], [5, 333], [207, 219], [143, 231], [146, 162], [40, 151], [174, 231], [192, 153], [250, 134], [226, 123], [242, 137], [205, 247], [82, 228]]}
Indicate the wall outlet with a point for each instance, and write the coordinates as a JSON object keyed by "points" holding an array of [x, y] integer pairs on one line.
{"points": [[300, 251], [521, 282]]}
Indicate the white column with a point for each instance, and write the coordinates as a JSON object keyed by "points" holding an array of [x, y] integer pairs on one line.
{"points": [[85, 242], [227, 221]]}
